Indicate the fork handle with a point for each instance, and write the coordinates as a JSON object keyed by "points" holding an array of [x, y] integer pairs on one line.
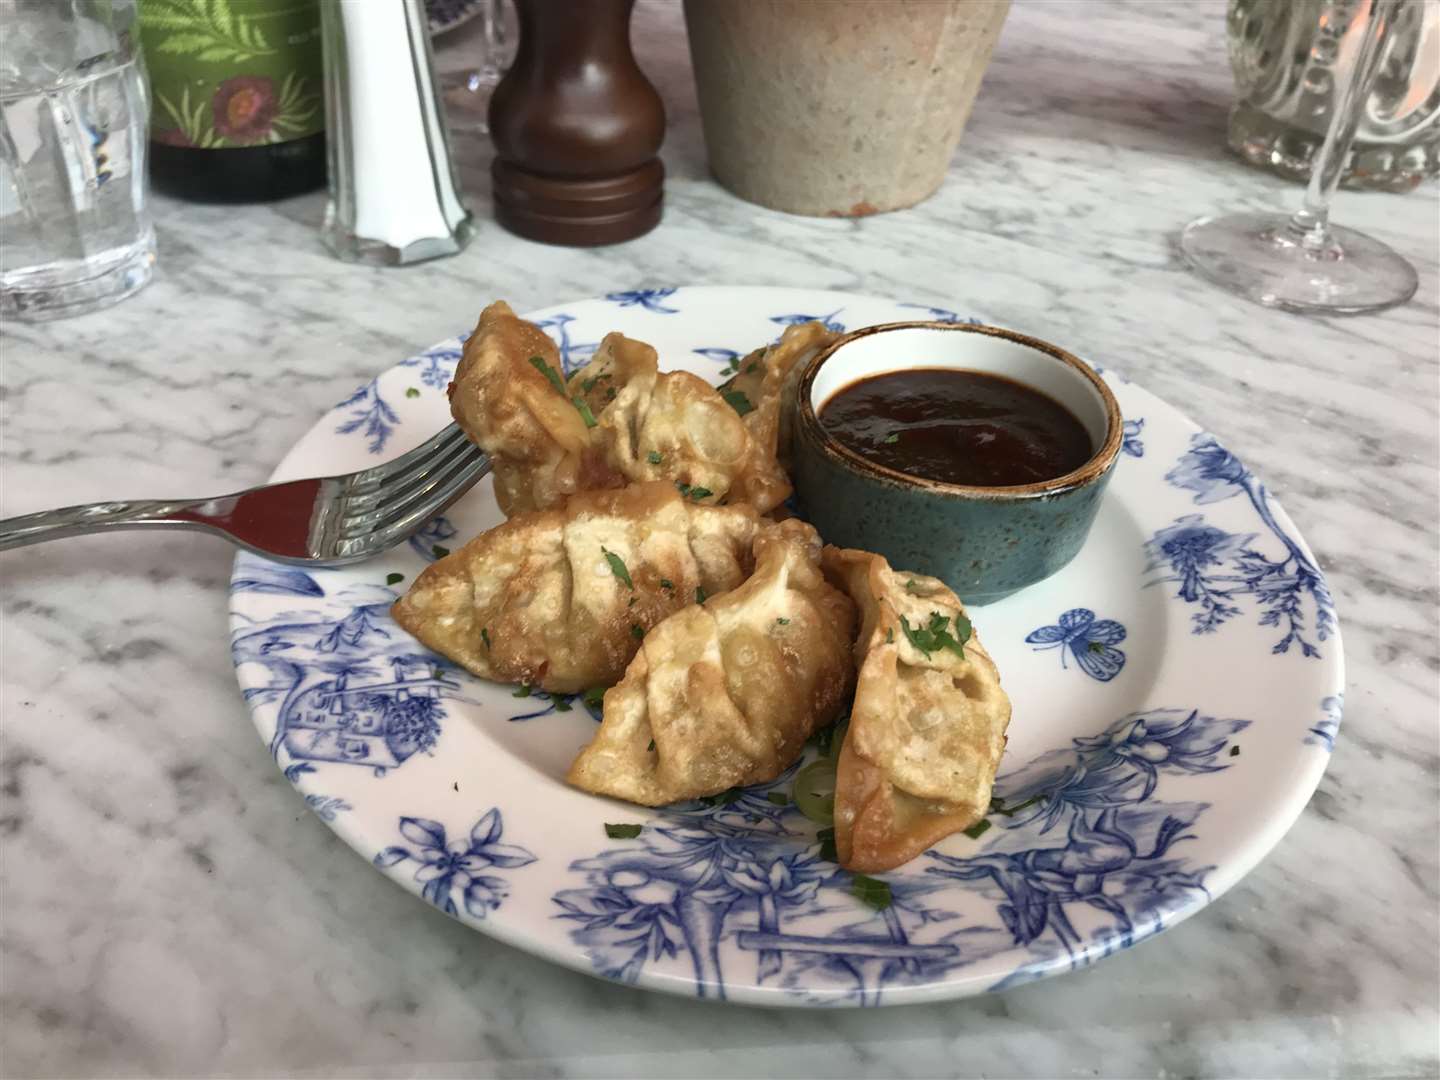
{"points": [[99, 517]]}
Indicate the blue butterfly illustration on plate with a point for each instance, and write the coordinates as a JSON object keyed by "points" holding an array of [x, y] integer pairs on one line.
{"points": [[1092, 643]]}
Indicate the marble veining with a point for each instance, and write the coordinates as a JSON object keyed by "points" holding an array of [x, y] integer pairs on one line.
{"points": [[169, 907]]}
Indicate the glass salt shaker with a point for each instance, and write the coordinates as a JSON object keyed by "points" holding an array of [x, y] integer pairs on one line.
{"points": [[394, 195]]}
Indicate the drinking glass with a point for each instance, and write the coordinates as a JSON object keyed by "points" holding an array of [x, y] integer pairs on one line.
{"points": [[1283, 56], [73, 111], [484, 47], [1301, 262]]}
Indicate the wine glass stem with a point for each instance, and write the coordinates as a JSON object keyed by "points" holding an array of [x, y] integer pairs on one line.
{"points": [[492, 17], [1311, 224]]}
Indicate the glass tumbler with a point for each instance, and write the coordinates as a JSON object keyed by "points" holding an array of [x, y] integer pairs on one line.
{"points": [[75, 234], [1286, 56]]}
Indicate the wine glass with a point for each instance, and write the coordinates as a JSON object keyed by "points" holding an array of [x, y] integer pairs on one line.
{"points": [[486, 43], [1300, 262]]}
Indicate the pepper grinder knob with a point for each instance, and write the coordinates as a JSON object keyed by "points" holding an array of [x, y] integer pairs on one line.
{"points": [[577, 126]]}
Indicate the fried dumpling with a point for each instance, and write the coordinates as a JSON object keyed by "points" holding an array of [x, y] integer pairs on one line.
{"points": [[617, 420], [505, 398], [560, 599], [656, 425], [927, 727], [763, 388], [725, 693]]}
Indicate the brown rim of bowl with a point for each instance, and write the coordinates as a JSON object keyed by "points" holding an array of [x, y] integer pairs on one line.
{"points": [[1092, 470]]}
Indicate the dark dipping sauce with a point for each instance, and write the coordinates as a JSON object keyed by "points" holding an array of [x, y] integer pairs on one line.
{"points": [[958, 427]]}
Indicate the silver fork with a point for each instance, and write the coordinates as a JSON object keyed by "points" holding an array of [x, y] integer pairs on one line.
{"points": [[325, 521]]}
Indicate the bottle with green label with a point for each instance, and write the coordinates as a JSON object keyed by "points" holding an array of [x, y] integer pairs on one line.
{"points": [[237, 110]]}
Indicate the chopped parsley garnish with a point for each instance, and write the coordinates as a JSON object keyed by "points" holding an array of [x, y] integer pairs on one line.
{"points": [[936, 636], [610, 393], [698, 493], [412, 392], [485, 636], [553, 378], [911, 587], [394, 579], [562, 704], [823, 738], [551, 375], [637, 632], [655, 457], [979, 829], [700, 595], [617, 567], [725, 798], [872, 892], [595, 696], [666, 583], [584, 411], [889, 634], [827, 843], [892, 438], [521, 691], [997, 806], [622, 832], [440, 551], [1235, 751], [683, 488], [651, 747], [589, 384], [783, 621], [752, 367], [779, 798], [631, 603], [737, 400]]}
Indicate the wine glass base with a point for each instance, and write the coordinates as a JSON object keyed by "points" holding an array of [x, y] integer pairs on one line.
{"points": [[1257, 256]]}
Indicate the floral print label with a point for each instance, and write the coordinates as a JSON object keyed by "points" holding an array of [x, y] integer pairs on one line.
{"points": [[232, 73]]}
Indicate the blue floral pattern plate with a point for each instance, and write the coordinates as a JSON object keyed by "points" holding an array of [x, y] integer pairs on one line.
{"points": [[1176, 689]]}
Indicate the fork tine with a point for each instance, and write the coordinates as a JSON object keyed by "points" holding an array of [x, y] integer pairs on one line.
{"points": [[398, 467], [391, 532], [398, 487], [372, 517]]}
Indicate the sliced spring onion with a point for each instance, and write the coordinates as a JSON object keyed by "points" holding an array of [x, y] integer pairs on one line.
{"points": [[814, 791]]}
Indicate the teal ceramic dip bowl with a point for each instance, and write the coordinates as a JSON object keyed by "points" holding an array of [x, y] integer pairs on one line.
{"points": [[984, 542]]}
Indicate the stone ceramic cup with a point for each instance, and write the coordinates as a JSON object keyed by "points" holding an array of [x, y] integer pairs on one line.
{"points": [[985, 543], [841, 108]]}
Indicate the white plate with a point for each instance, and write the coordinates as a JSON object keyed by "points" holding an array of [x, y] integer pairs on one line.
{"points": [[1176, 692]]}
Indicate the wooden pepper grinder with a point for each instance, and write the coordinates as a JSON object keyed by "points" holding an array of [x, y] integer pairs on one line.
{"points": [[576, 126]]}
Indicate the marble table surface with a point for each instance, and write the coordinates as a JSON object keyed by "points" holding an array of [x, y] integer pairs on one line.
{"points": [[169, 907]]}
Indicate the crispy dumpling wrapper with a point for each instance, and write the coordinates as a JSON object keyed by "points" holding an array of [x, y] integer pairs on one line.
{"points": [[617, 420], [657, 425], [765, 384], [725, 693], [927, 727], [543, 599], [539, 445]]}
